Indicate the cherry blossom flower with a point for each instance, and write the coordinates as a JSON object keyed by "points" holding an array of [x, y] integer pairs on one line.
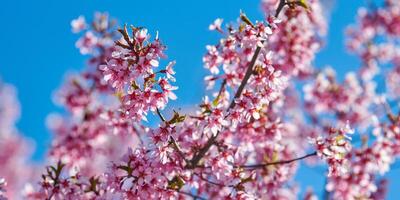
{"points": [[78, 24], [216, 25], [87, 43]]}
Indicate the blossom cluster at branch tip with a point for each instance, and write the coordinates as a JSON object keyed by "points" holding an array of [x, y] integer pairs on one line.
{"points": [[131, 70]]}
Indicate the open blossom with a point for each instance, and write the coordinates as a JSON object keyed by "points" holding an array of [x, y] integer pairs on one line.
{"points": [[78, 24], [216, 25], [75, 95], [365, 163], [87, 43], [214, 117]]}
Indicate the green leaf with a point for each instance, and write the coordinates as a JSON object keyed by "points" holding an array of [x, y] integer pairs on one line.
{"points": [[176, 183], [303, 3], [177, 118], [134, 85], [216, 101], [245, 19]]}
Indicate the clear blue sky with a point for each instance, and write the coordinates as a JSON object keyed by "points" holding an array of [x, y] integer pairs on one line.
{"points": [[37, 48]]}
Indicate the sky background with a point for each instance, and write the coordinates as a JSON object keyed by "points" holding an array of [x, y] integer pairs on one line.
{"points": [[38, 48]]}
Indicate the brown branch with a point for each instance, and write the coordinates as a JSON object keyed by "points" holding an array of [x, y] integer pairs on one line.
{"points": [[246, 78], [178, 149], [212, 182], [137, 134], [160, 115], [221, 89], [282, 4], [125, 35], [199, 155], [277, 162]]}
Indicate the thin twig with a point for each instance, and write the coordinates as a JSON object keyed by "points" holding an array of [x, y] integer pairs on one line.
{"points": [[282, 4], [246, 78], [221, 89], [137, 134], [212, 182], [178, 149], [277, 162], [160, 115], [172, 139]]}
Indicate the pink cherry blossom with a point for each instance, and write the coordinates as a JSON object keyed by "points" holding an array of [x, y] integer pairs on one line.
{"points": [[78, 24], [216, 25]]}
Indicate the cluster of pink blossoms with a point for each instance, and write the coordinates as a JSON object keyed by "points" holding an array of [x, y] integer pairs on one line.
{"points": [[86, 138], [234, 54], [298, 36], [15, 150], [351, 101], [358, 102], [243, 141], [335, 149], [131, 71]]}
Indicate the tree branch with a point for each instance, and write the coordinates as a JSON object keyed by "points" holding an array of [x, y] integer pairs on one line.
{"points": [[221, 89], [178, 149], [246, 78], [212, 182], [282, 4], [138, 134], [160, 115], [249, 167]]}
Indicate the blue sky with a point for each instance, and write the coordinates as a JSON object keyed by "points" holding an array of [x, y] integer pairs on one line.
{"points": [[38, 48]]}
